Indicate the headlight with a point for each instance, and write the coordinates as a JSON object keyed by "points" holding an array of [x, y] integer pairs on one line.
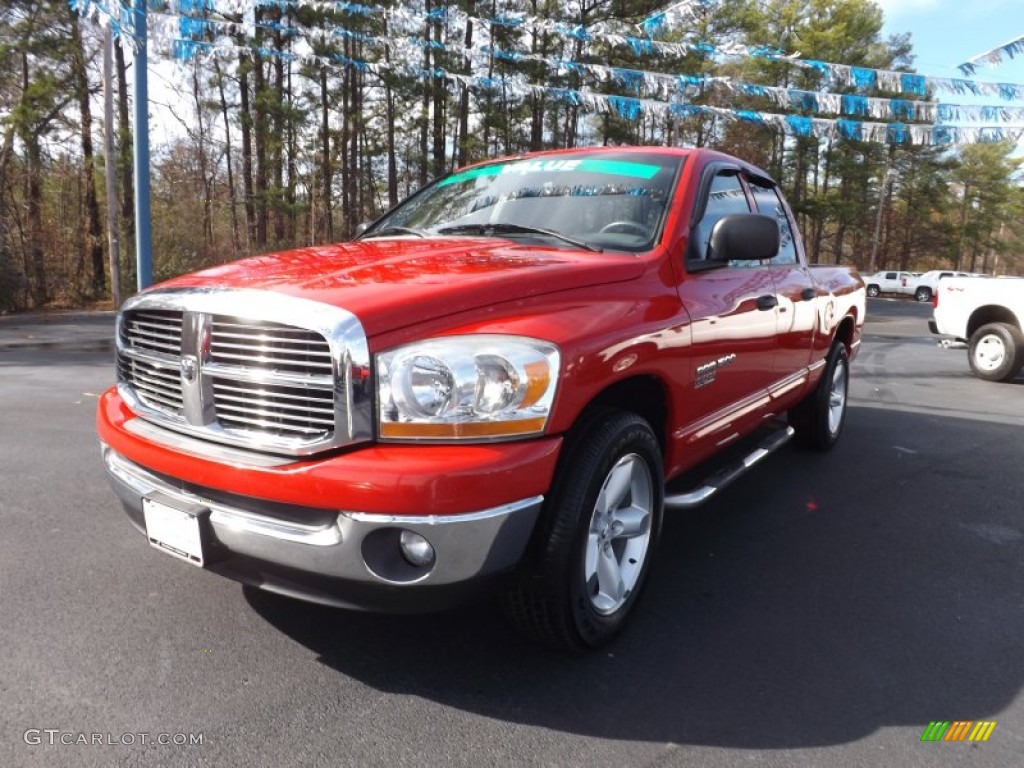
{"points": [[475, 387]]}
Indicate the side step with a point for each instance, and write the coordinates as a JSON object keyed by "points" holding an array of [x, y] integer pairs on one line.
{"points": [[726, 475]]}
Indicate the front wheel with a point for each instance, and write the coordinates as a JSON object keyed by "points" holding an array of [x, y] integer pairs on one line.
{"points": [[996, 352], [595, 543], [873, 291], [923, 294], [819, 419]]}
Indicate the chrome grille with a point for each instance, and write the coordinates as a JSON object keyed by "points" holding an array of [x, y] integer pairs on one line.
{"points": [[154, 338], [282, 411], [157, 385], [199, 362], [269, 345], [153, 331]]}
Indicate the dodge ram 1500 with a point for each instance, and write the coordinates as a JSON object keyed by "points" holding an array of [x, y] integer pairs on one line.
{"points": [[499, 384]]}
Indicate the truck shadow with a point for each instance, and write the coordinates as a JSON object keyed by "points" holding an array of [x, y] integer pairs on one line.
{"points": [[819, 599]]}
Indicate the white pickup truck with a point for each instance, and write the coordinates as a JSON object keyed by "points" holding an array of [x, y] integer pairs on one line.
{"points": [[986, 313], [889, 281], [924, 287]]}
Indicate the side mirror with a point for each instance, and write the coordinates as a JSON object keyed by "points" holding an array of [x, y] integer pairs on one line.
{"points": [[743, 237], [362, 227]]}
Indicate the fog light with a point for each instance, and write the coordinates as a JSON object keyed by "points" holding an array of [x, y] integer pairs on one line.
{"points": [[416, 549]]}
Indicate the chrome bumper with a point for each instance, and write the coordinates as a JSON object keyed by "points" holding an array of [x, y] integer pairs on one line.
{"points": [[342, 547]]}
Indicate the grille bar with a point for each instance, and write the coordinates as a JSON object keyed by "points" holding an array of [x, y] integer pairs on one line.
{"points": [[229, 410], [312, 396], [266, 360], [274, 426], [240, 403]]}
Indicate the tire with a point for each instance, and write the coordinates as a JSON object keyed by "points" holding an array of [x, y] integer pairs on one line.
{"points": [[873, 291], [593, 548], [819, 419], [996, 352], [923, 294]]}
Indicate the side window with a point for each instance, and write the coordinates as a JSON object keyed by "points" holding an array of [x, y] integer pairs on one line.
{"points": [[890, 275], [769, 203], [725, 197]]}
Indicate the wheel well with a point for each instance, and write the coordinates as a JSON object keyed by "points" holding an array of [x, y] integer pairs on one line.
{"points": [[844, 332], [644, 396], [990, 314]]}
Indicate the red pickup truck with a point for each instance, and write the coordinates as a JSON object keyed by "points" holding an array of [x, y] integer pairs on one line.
{"points": [[501, 385]]}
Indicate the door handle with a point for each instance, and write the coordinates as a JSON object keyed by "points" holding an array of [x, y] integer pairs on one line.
{"points": [[768, 301], [808, 293]]}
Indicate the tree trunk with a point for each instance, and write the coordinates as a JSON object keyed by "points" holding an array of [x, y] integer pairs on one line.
{"points": [[124, 146], [277, 138], [35, 269], [463, 156], [204, 162], [292, 177], [232, 197], [247, 125], [325, 157], [425, 108], [440, 107], [261, 96], [93, 225]]}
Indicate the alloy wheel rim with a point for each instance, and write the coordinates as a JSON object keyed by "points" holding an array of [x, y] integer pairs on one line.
{"points": [[619, 534], [837, 398]]}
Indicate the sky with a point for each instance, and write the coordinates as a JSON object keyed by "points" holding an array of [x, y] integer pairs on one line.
{"points": [[945, 33]]}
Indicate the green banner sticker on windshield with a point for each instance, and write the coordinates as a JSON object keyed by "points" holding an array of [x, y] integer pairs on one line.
{"points": [[585, 165]]}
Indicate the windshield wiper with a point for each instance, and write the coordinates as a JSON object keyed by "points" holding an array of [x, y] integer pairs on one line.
{"points": [[392, 230], [499, 228]]}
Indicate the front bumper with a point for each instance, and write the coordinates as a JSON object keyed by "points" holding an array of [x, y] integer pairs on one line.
{"points": [[337, 557]]}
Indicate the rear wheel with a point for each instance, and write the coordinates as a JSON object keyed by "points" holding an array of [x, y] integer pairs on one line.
{"points": [[819, 419], [594, 547], [996, 352]]}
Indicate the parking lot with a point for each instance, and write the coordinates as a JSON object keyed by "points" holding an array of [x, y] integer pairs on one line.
{"points": [[820, 612]]}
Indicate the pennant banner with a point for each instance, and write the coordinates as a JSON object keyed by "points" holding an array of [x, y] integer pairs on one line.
{"points": [[211, 28], [994, 57]]}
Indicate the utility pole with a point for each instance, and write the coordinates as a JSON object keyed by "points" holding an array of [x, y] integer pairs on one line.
{"points": [[143, 229], [110, 169]]}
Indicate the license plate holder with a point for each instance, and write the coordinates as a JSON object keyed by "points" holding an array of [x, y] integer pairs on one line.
{"points": [[176, 527]]}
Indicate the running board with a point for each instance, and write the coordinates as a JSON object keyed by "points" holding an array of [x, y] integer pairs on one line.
{"points": [[725, 476]]}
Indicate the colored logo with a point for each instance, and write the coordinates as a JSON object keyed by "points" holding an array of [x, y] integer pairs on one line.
{"points": [[958, 730]]}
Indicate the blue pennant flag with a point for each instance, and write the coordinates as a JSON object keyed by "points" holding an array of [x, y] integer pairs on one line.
{"points": [[799, 125], [901, 109], [864, 78], [896, 133], [913, 84], [854, 105], [626, 107], [850, 129]]}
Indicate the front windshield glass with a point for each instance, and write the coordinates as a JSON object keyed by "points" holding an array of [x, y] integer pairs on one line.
{"points": [[607, 200]]}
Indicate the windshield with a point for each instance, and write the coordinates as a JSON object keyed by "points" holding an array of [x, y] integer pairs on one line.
{"points": [[598, 201]]}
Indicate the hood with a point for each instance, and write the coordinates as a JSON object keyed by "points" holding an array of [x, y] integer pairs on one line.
{"points": [[393, 283]]}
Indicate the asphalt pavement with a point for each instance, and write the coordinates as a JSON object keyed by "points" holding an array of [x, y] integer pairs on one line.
{"points": [[821, 612]]}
